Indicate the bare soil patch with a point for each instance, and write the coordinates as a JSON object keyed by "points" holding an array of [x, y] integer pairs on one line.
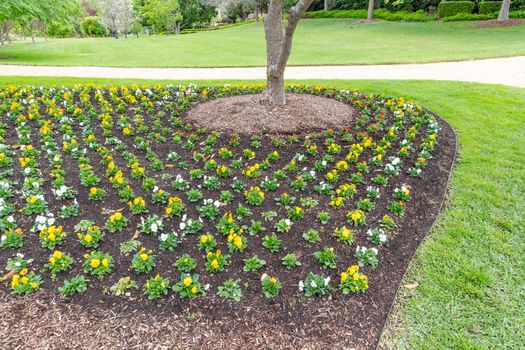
{"points": [[494, 23], [245, 114]]}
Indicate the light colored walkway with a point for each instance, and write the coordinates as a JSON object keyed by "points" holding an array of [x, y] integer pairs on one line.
{"points": [[507, 71]]}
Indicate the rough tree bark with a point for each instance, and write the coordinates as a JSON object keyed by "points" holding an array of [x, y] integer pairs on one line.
{"points": [[256, 11], [370, 15], [504, 11], [279, 46], [326, 5]]}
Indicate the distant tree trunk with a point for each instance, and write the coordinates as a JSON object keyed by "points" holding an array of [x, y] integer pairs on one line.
{"points": [[256, 12], [504, 11], [31, 33], [177, 28], [370, 15], [279, 46], [326, 5]]}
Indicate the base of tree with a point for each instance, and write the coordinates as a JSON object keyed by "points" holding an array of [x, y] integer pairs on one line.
{"points": [[247, 114], [495, 23]]}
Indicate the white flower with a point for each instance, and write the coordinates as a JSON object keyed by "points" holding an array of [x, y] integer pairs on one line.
{"points": [[327, 280], [301, 286], [313, 284], [182, 225], [154, 227], [164, 237]]}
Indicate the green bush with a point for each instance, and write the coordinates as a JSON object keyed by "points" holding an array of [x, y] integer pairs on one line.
{"points": [[91, 26], [60, 30], [452, 8], [489, 7], [418, 16], [469, 17], [517, 14]]}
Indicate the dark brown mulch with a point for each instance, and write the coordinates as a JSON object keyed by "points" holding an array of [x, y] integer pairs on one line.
{"points": [[44, 321], [494, 23], [245, 114]]}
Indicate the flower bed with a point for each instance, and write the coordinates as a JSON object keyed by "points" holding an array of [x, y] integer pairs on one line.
{"points": [[106, 193]]}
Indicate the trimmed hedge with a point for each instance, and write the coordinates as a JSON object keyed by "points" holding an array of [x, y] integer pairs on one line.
{"points": [[469, 17], [452, 8], [418, 16], [488, 7]]}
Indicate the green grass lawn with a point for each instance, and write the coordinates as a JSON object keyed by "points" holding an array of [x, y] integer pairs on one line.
{"points": [[356, 43], [470, 270]]}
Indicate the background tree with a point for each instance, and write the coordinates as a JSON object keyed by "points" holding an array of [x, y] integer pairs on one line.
{"points": [[117, 15], [504, 11], [162, 15], [196, 13], [279, 46], [370, 14]]}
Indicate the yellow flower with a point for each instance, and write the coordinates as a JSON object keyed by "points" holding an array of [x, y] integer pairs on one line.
{"points": [[15, 281], [23, 272], [187, 281], [215, 264], [105, 262], [88, 238], [144, 257], [95, 263], [57, 254], [93, 191], [273, 280], [24, 280], [344, 276], [204, 239], [194, 290], [238, 242]]}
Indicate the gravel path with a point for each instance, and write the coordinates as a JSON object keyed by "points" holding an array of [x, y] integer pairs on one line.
{"points": [[506, 71]]}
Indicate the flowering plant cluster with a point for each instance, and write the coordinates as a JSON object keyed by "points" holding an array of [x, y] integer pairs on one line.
{"points": [[79, 161]]}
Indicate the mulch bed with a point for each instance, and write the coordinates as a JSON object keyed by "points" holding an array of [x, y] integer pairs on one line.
{"points": [[494, 23], [290, 321], [247, 114]]}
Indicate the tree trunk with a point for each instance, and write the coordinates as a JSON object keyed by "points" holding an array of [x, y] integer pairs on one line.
{"points": [[326, 5], [504, 11], [279, 46], [177, 28], [370, 15], [32, 34], [256, 12]]}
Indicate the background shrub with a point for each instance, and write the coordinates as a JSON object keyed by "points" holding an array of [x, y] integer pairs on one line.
{"points": [[469, 17], [61, 30], [419, 16], [451, 8], [92, 26], [486, 7]]}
